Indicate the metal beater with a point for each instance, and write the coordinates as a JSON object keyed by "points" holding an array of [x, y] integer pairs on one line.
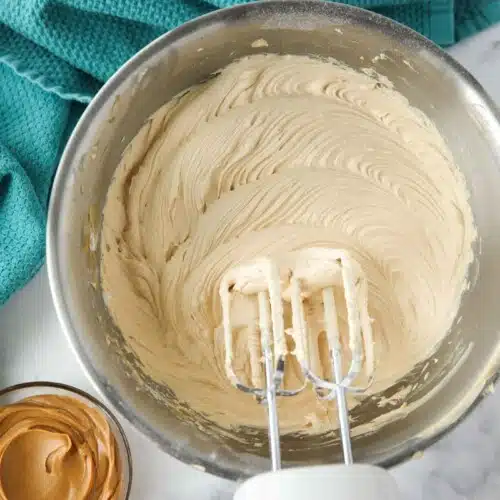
{"points": [[304, 272]]}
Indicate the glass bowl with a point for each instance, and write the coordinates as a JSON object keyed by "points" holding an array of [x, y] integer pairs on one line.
{"points": [[17, 393]]}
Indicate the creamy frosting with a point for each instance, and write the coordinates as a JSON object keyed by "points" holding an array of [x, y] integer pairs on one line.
{"points": [[277, 154], [57, 447]]}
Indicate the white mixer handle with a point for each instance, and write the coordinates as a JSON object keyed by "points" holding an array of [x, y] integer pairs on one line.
{"points": [[325, 482]]}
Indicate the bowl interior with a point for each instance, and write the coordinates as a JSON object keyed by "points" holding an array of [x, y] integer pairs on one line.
{"points": [[464, 362]]}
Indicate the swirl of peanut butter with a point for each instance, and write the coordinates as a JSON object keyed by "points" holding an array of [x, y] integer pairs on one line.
{"points": [[57, 447]]}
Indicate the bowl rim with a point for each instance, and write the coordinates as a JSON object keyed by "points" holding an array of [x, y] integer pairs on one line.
{"points": [[363, 18], [41, 384]]}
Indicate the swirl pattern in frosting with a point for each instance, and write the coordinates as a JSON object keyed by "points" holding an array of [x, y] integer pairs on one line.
{"points": [[277, 154]]}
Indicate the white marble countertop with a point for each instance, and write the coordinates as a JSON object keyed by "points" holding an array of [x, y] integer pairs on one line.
{"points": [[465, 465]]}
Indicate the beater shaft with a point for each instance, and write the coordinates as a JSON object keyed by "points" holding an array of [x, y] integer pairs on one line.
{"points": [[270, 395]]}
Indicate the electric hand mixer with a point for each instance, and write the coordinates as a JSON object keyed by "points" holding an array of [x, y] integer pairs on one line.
{"points": [[305, 273]]}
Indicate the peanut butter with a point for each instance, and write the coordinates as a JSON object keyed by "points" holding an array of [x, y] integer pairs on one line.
{"points": [[57, 447]]}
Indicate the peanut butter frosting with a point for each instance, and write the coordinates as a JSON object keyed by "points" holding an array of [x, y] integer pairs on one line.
{"points": [[58, 448], [277, 154]]}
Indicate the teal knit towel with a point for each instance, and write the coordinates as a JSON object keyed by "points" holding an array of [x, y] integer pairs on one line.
{"points": [[54, 56]]}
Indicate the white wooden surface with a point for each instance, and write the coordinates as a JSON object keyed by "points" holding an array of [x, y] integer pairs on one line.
{"points": [[465, 465]]}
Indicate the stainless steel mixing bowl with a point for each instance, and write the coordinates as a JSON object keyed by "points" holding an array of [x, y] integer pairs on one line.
{"points": [[465, 362]]}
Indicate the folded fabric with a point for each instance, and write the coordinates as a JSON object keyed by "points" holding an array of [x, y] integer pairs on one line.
{"points": [[54, 56]]}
